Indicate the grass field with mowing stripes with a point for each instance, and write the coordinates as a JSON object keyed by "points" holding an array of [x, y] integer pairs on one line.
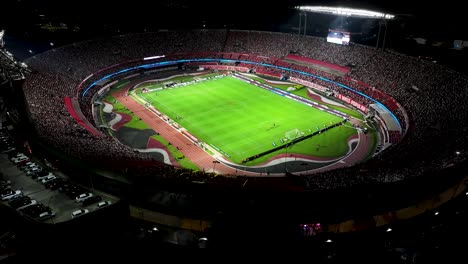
{"points": [[243, 120]]}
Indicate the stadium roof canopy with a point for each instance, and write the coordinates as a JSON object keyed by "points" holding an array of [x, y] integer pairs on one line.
{"points": [[345, 11]]}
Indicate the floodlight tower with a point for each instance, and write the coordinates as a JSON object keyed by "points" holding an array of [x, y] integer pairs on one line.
{"points": [[2, 43], [382, 23], [302, 14]]}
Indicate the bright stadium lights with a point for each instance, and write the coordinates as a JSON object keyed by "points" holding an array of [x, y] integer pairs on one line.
{"points": [[344, 11], [389, 230], [329, 241], [154, 57]]}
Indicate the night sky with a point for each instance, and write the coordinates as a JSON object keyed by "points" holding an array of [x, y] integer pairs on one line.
{"points": [[165, 12]]}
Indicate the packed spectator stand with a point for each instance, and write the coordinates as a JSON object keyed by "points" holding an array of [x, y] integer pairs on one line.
{"points": [[433, 119]]}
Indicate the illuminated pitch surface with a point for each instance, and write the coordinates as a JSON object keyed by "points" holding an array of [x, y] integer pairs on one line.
{"points": [[243, 120]]}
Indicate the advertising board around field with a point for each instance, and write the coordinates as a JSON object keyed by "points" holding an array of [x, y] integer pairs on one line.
{"points": [[309, 84], [225, 68], [351, 102]]}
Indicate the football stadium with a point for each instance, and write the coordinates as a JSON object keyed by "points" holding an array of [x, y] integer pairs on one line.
{"points": [[245, 131], [326, 134]]}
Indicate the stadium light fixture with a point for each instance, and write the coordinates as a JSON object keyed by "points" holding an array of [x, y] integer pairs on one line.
{"points": [[154, 57], [345, 11]]}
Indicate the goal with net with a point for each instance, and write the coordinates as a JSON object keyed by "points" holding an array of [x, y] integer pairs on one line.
{"points": [[293, 134]]}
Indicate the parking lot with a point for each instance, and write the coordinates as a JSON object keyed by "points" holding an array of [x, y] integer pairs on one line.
{"points": [[61, 202]]}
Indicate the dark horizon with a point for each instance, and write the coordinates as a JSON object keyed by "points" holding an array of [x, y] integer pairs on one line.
{"points": [[22, 15]]}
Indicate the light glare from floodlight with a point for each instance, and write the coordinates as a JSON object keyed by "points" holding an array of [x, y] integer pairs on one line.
{"points": [[154, 57], [344, 11]]}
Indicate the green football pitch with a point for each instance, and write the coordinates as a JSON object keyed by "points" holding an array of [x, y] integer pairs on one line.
{"points": [[242, 120]]}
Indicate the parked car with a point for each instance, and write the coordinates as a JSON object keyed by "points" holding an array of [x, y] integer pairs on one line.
{"points": [[80, 198], [79, 212], [41, 173], [35, 210], [48, 179], [45, 215], [19, 201], [10, 195], [33, 170], [28, 165], [104, 203], [91, 200], [19, 162], [54, 184], [32, 202]]}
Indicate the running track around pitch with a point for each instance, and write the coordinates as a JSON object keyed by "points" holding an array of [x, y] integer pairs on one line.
{"points": [[205, 161], [191, 151]]}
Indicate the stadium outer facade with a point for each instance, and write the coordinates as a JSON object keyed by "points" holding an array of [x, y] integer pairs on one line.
{"points": [[381, 185]]}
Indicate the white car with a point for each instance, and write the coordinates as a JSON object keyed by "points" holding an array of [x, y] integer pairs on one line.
{"points": [[18, 156], [103, 203], [31, 171], [48, 179], [79, 212], [45, 215], [19, 160], [80, 198], [28, 165], [11, 195], [50, 174]]}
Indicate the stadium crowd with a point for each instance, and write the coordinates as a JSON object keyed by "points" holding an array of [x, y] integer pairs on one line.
{"points": [[434, 96]]}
